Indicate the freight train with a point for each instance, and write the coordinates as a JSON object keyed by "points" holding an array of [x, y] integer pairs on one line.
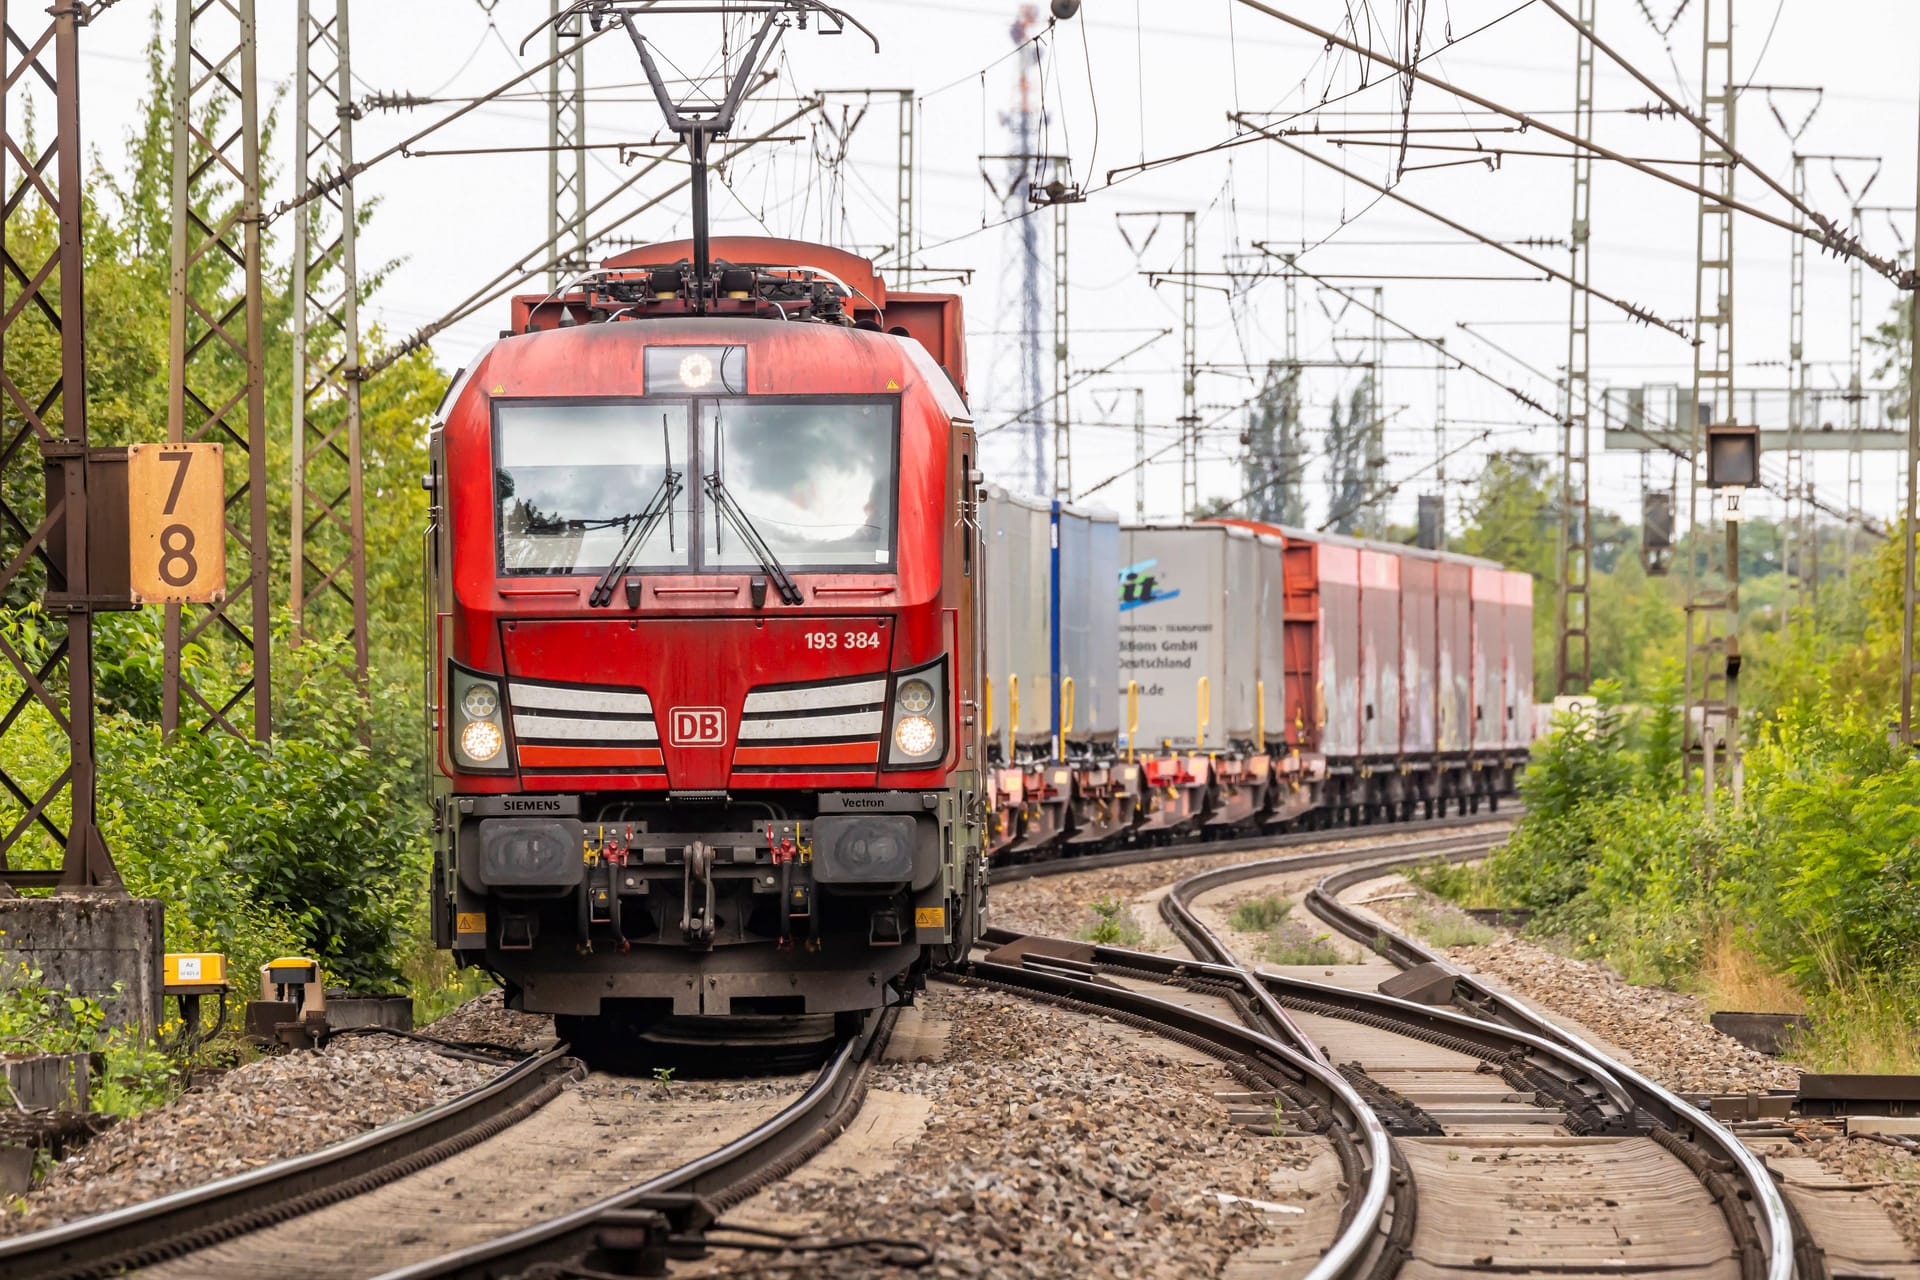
{"points": [[1156, 681], [739, 674]]}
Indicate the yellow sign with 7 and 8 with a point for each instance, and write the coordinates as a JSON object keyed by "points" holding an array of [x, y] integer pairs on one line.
{"points": [[176, 521]]}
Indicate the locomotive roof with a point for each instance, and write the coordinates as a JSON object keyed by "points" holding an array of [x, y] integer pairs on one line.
{"points": [[607, 359]]}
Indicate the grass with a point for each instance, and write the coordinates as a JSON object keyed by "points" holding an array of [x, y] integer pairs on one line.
{"points": [[1257, 915], [1867, 1026], [1463, 884], [1733, 978], [1317, 950], [1446, 928], [440, 989], [1113, 925], [1286, 942]]}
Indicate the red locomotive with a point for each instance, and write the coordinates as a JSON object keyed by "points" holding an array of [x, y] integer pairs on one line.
{"points": [[703, 657]]}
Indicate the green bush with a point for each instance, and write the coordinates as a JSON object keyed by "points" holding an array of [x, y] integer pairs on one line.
{"points": [[311, 843]]}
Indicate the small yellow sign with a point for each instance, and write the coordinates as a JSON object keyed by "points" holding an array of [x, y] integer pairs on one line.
{"points": [[187, 969], [176, 523], [892, 385], [470, 922], [929, 917]]}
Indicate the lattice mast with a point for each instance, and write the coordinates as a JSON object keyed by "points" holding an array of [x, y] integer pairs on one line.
{"points": [[47, 808], [1711, 722], [215, 325], [327, 534], [1024, 120], [566, 146], [1573, 655]]}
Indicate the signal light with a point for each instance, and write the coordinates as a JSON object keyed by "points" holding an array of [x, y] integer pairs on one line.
{"points": [[1733, 457]]}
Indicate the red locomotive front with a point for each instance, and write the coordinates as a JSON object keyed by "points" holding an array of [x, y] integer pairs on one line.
{"points": [[703, 659]]}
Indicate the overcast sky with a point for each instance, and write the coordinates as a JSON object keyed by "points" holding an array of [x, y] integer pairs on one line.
{"points": [[1150, 79]]}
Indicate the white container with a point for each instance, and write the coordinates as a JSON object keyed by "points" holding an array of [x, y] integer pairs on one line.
{"points": [[1018, 626], [1089, 620], [1189, 633]]}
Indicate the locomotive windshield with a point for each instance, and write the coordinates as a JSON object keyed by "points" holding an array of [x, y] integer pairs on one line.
{"points": [[571, 480], [814, 480]]}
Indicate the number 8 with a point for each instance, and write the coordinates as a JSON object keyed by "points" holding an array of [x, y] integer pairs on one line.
{"points": [[169, 554]]}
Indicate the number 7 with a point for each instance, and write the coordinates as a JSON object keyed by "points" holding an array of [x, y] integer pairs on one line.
{"points": [[185, 460]]}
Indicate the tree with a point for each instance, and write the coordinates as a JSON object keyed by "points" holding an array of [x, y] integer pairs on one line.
{"points": [[1347, 458], [1275, 463]]}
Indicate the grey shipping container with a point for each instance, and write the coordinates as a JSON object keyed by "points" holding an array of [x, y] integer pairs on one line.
{"points": [[1089, 600], [1189, 600], [1019, 639]]}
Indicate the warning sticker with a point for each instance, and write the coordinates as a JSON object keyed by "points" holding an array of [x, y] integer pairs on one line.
{"points": [[929, 917], [471, 922]]}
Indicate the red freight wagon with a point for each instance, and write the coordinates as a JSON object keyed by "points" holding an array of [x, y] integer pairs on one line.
{"points": [[1391, 628], [1454, 624], [1380, 654], [1489, 658], [1339, 682], [1419, 657], [1519, 682]]}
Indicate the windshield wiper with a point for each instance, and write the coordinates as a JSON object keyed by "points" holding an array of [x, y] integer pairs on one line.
{"points": [[640, 527], [723, 503]]}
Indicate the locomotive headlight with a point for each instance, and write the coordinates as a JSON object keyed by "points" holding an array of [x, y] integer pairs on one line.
{"points": [[482, 740], [477, 726], [917, 718], [915, 736], [916, 697], [696, 371]]}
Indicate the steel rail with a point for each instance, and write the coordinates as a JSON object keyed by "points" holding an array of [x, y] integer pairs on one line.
{"points": [[1176, 908], [1363, 1227], [1611, 1102], [723, 1176], [1009, 873], [184, 1221], [1760, 1193]]}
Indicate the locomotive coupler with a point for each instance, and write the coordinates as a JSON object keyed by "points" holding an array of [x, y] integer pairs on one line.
{"points": [[696, 923]]}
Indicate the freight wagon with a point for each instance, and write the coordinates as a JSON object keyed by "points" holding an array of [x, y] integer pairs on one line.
{"points": [[1161, 681]]}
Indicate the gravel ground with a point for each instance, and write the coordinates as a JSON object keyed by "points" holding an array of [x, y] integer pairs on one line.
{"points": [[1662, 1033], [256, 1114], [1890, 1174], [1060, 1145], [485, 1019]]}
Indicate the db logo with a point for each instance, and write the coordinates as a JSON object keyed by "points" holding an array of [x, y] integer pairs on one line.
{"points": [[699, 727]]}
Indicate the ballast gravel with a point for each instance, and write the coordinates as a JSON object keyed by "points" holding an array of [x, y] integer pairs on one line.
{"points": [[1059, 1144], [265, 1111], [485, 1019]]}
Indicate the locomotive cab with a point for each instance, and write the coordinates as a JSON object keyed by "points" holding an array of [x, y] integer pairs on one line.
{"points": [[703, 659]]}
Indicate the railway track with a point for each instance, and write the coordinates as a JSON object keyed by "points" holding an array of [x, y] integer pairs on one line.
{"points": [[1485, 1102], [546, 1163]]}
